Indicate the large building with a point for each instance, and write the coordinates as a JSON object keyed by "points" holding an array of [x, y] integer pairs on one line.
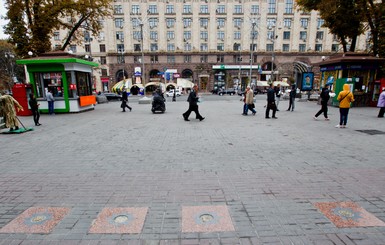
{"points": [[211, 42]]}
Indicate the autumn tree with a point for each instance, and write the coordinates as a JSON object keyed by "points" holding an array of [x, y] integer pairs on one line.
{"points": [[32, 22], [9, 71]]}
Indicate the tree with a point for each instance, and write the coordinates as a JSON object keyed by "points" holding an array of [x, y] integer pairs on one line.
{"points": [[32, 22], [350, 18], [9, 71]]}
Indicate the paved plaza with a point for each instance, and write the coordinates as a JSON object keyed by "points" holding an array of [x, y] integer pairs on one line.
{"points": [[109, 177]]}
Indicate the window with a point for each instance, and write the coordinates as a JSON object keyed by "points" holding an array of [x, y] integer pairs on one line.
{"points": [[271, 35], [204, 22], [118, 9], [87, 48], [103, 60], [186, 35], [153, 22], [154, 35], [237, 47], [221, 35], [270, 47], [154, 59], [56, 36], [238, 9], [204, 9], [221, 22], [152, 9], [221, 9], [302, 48], [170, 47], [221, 47], [187, 22], [170, 22], [136, 35], [170, 9], [237, 22], [137, 47], [253, 47], [253, 35], [287, 22], [286, 35], [272, 6], [254, 9], [135, 22], [304, 22], [119, 22], [170, 59], [187, 59], [285, 47], [289, 7], [87, 36], [271, 22], [320, 35], [120, 48], [320, 23], [154, 47], [119, 35], [49, 80], [204, 47], [187, 47], [136, 59], [101, 36], [302, 35], [73, 48], [203, 58], [204, 35], [104, 71], [318, 47], [237, 59], [187, 9], [170, 35], [120, 59], [135, 9], [237, 35], [335, 47], [220, 58]]}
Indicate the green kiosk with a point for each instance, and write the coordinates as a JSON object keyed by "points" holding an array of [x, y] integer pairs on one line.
{"points": [[68, 77]]}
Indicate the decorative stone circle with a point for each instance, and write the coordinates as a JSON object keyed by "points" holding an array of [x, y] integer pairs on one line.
{"points": [[37, 219], [121, 219]]}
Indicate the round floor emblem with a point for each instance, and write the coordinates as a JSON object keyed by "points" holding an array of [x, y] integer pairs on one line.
{"points": [[38, 219], [206, 218], [121, 219]]}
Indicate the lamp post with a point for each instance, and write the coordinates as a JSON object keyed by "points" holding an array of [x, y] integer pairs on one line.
{"points": [[142, 49], [253, 24], [272, 38], [239, 70]]}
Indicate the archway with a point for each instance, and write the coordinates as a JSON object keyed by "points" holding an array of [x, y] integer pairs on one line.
{"points": [[119, 75]]}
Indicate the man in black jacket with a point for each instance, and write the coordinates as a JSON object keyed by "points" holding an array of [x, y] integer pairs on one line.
{"points": [[193, 105], [293, 94], [271, 102], [125, 100]]}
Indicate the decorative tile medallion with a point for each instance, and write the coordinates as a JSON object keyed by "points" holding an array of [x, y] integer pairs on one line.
{"points": [[348, 214], [36, 220], [119, 220], [206, 219]]}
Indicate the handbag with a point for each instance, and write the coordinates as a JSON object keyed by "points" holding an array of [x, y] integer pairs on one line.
{"points": [[252, 106]]}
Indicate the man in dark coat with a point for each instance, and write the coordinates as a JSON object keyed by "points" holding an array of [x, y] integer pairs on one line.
{"points": [[293, 94], [271, 102], [124, 100], [193, 105]]}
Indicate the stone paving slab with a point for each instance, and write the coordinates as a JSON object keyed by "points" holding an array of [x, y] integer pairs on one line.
{"points": [[268, 173]]}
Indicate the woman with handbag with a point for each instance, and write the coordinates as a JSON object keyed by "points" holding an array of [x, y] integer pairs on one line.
{"points": [[345, 97], [249, 102]]}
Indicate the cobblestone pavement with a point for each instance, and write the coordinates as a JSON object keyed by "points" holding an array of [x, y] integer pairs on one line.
{"points": [[267, 175]]}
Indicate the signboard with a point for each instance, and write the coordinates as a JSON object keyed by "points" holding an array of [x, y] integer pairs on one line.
{"points": [[307, 81], [137, 71]]}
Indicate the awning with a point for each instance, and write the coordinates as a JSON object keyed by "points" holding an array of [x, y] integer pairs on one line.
{"points": [[283, 84], [139, 85], [152, 83], [171, 84], [184, 83], [119, 85], [262, 83]]}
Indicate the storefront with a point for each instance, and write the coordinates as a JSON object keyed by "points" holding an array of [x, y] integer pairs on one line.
{"points": [[66, 76], [360, 70]]}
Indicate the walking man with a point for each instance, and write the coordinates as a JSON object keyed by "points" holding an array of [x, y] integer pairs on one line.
{"points": [[293, 94], [324, 104], [271, 102], [125, 100], [193, 105]]}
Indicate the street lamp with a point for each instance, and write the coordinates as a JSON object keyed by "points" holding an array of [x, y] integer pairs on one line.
{"points": [[253, 24], [11, 69], [142, 49], [273, 37]]}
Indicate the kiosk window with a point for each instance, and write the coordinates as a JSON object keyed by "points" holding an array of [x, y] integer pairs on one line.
{"points": [[49, 80], [84, 84]]}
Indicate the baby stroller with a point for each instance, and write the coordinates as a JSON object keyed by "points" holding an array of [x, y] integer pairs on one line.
{"points": [[158, 102]]}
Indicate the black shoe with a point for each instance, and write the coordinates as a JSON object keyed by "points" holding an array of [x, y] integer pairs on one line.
{"points": [[124, 111], [277, 110], [267, 117], [130, 109], [38, 124], [201, 119], [275, 117], [16, 128], [186, 119], [288, 110], [254, 113]]}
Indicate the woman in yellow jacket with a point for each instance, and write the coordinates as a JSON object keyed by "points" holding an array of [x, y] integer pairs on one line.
{"points": [[345, 97]]}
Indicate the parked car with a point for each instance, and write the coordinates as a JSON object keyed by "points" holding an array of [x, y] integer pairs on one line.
{"points": [[215, 91], [101, 98], [229, 91], [256, 91], [171, 93], [113, 96]]}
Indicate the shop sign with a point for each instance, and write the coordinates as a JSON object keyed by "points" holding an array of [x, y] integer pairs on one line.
{"points": [[73, 86]]}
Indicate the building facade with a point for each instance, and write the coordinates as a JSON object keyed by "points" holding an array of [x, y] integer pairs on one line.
{"points": [[214, 43]]}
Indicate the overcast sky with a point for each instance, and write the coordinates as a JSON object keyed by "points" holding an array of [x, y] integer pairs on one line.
{"points": [[2, 22]]}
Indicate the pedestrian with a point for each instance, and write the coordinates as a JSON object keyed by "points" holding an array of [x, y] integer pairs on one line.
{"points": [[345, 97], [8, 111], [50, 101], [324, 104], [278, 94], [248, 102], [193, 99], [125, 100], [381, 103], [292, 95], [271, 102], [34, 108]]}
